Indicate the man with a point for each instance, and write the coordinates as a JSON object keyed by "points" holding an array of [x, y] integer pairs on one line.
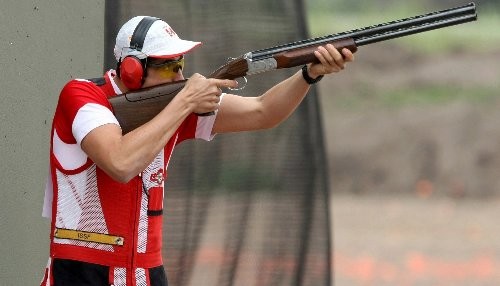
{"points": [[105, 189]]}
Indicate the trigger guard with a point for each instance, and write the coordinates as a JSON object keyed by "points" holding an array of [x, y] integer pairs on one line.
{"points": [[239, 88]]}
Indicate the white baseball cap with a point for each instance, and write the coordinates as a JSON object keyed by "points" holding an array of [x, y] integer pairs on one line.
{"points": [[160, 41]]}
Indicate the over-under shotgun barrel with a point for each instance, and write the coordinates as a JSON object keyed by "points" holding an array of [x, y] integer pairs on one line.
{"points": [[452, 16], [303, 50], [135, 108]]}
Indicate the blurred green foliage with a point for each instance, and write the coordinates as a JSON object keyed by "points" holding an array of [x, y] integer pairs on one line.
{"points": [[367, 97], [328, 17]]}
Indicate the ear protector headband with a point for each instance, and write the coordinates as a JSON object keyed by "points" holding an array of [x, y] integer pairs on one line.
{"points": [[132, 70]]}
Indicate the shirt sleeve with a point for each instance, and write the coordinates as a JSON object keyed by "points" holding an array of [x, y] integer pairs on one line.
{"points": [[204, 126], [198, 127], [89, 117], [82, 107]]}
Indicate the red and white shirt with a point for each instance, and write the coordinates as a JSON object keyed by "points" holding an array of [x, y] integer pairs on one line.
{"points": [[82, 200]]}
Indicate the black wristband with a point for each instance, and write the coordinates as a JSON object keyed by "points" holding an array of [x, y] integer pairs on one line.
{"points": [[309, 79]]}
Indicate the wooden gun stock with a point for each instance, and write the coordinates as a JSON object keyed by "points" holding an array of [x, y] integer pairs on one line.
{"points": [[135, 108]]}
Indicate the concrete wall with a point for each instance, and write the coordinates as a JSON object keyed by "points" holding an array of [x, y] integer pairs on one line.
{"points": [[43, 44]]}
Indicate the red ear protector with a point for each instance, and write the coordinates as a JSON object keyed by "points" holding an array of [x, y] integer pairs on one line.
{"points": [[131, 69]]}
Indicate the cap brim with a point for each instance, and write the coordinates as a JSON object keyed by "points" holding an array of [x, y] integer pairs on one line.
{"points": [[174, 50]]}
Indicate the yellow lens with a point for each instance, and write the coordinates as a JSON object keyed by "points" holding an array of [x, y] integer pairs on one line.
{"points": [[170, 69]]}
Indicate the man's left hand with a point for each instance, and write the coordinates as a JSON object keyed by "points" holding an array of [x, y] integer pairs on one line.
{"points": [[331, 60]]}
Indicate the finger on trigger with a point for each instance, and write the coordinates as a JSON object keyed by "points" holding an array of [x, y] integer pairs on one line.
{"points": [[230, 83]]}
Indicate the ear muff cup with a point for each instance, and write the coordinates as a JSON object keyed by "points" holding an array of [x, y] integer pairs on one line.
{"points": [[132, 72]]}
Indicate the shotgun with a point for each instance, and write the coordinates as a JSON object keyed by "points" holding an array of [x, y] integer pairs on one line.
{"points": [[137, 107]]}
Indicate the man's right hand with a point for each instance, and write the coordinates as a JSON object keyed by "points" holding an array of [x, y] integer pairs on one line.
{"points": [[203, 94]]}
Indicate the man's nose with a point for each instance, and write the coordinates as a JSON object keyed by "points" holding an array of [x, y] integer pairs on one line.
{"points": [[179, 76]]}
